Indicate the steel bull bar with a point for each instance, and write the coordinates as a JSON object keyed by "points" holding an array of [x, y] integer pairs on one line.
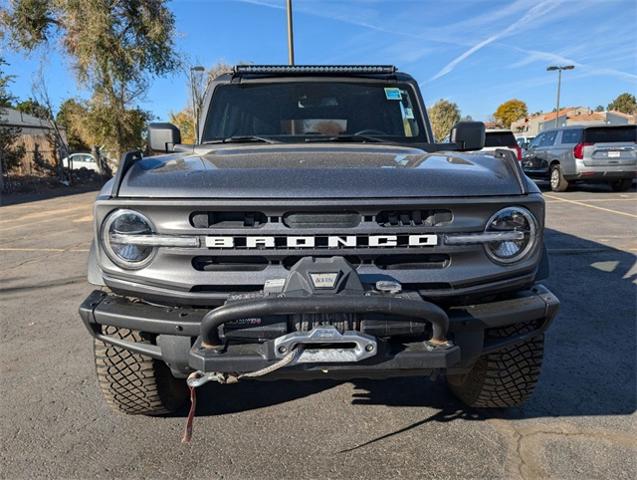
{"points": [[417, 310]]}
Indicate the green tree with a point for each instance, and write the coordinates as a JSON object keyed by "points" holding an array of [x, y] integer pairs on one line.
{"points": [[10, 152], [33, 107], [443, 115], [599, 108], [116, 48], [184, 121], [510, 111], [72, 116], [625, 103]]}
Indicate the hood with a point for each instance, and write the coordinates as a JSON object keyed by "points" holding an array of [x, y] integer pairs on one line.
{"points": [[318, 171]]}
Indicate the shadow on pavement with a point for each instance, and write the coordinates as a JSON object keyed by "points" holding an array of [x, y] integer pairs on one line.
{"points": [[583, 187], [589, 365], [45, 194]]}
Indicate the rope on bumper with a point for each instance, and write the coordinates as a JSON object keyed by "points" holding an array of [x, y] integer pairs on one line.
{"points": [[196, 379]]}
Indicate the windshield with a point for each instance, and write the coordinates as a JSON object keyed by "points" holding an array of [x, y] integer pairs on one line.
{"points": [[296, 110]]}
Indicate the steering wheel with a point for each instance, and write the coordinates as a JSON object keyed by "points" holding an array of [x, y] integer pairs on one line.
{"points": [[370, 131]]}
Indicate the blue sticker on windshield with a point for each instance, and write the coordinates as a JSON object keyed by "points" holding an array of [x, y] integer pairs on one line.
{"points": [[392, 93]]}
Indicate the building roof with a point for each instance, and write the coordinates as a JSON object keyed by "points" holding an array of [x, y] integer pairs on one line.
{"points": [[14, 118], [563, 111]]}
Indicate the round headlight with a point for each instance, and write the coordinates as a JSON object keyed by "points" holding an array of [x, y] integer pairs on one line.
{"points": [[512, 219], [117, 226]]}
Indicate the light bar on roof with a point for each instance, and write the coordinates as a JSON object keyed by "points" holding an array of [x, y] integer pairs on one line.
{"points": [[364, 69]]}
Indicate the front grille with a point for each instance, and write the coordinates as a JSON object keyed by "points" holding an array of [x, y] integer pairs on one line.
{"points": [[206, 275]]}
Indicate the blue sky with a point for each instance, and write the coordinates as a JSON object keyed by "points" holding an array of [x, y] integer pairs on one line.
{"points": [[473, 52]]}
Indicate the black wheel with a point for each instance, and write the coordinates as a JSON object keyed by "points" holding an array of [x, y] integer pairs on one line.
{"points": [[504, 378], [558, 182], [621, 185], [133, 383]]}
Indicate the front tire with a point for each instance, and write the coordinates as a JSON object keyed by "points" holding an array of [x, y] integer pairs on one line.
{"points": [[558, 182], [132, 383], [621, 185], [504, 378]]}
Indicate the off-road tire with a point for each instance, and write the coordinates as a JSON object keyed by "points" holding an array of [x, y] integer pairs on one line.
{"points": [[132, 383], [557, 180], [622, 184], [504, 378]]}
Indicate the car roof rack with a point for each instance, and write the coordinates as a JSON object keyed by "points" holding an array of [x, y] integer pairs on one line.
{"points": [[314, 69]]}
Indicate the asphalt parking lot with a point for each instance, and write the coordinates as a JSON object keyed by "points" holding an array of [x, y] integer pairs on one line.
{"points": [[580, 423]]}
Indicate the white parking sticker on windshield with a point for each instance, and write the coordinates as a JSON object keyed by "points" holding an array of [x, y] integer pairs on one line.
{"points": [[392, 93]]}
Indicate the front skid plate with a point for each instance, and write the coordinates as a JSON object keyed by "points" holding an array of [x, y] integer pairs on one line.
{"points": [[327, 345]]}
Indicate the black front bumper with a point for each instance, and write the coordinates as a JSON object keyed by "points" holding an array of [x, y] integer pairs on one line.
{"points": [[177, 335]]}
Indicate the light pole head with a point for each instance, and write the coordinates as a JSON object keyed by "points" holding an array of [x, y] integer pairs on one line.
{"points": [[197, 68], [559, 67]]}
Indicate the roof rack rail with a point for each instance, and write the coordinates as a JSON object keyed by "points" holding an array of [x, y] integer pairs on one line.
{"points": [[284, 69]]}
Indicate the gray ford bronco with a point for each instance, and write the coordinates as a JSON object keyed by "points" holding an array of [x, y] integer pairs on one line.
{"points": [[316, 230]]}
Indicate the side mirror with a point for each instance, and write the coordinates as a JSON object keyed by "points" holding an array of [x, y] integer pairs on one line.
{"points": [[468, 135], [162, 137]]}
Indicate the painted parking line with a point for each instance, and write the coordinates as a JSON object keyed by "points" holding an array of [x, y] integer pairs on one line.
{"points": [[575, 202], [600, 200], [55, 250]]}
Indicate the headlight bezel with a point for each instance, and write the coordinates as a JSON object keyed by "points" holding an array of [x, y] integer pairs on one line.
{"points": [[106, 243], [533, 232]]}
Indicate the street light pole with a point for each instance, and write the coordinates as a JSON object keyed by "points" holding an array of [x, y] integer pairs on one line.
{"points": [[559, 69], [195, 100], [290, 34]]}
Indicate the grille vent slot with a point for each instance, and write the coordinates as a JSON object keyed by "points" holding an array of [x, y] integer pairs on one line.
{"points": [[227, 219], [230, 264], [412, 262], [321, 219], [408, 218]]}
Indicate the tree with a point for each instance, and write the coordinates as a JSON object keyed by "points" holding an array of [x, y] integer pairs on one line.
{"points": [[184, 121], [625, 103], [599, 108], [116, 47], [510, 111], [33, 107], [10, 153], [443, 115], [72, 116]]}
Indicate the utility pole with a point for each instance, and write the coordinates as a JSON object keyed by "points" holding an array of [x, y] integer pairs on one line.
{"points": [[559, 69], [195, 100], [290, 34]]}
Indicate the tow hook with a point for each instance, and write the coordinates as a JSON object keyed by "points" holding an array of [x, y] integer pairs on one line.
{"points": [[197, 379]]}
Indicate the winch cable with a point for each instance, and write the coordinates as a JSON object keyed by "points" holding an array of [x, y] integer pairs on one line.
{"points": [[197, 379]]}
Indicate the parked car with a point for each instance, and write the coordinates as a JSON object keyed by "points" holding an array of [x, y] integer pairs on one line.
{"points": [[501, 139], [594, 154], [76, 161], [312, 235], [524, 142]]}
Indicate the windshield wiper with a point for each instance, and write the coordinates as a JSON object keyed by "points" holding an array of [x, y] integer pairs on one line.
{"points": [[242, 139], [345, 138]]}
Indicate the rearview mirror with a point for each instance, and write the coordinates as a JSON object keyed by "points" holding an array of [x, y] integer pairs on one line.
{"points": [[162, 137], [468, 135]]}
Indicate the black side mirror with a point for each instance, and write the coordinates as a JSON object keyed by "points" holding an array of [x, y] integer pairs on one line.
{"points": [[468, 135], [162, 137]]}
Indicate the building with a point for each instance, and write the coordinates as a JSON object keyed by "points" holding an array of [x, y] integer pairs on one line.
{"points": [[532, 125], [36, 135]]}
